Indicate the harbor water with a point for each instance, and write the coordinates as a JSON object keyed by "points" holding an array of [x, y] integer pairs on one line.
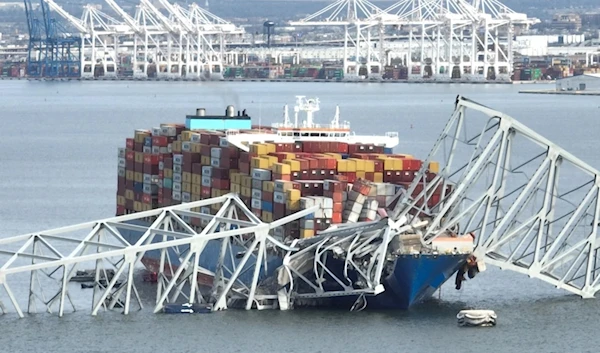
{"points": [[58, 148]]}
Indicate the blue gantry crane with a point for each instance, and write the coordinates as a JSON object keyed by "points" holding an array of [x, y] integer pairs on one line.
{"points": [[53, 51], [36, 49]]}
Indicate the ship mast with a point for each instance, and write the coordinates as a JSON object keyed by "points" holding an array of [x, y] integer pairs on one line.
{"points": [[335, 123]]}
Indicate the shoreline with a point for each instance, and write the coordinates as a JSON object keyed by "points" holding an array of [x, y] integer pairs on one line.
{"points": [[383, 81]]}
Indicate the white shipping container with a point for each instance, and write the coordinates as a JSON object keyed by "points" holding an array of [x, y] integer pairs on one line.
{"points": [[215, 152], [357, 197], [307, 223], [122, 162], [177, 168], [121, 152], [215, 162], [328, 213], [147, 189], [147, 149], [257, 194], [156, 131], [161, 165], [155, 150], [261, 174], [186, 146], [206, 181], [178, 159], [121, 172], [176, 186], [257, 204], [147, 178], [371, 205], [168, 131], [186, 197], [256, 184], [205, 210], [164, 150], [176, 195], [195, 138], [177, 178], [169, 148], [278, 197], [350, 217], [355, 207], [307, 202], [206, 171], [223, 142]]}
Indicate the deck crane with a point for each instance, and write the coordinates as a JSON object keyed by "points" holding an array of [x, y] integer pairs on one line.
{"points": [[36, 46]]}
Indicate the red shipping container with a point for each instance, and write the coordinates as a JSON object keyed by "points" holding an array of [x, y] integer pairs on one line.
{"points": [[129, 204], [336, 218], [151, 159], [147, 198], [160, 141], [138, 167], [205, 150], [205, 138], [412, 164], [138, 147], [244, 157], [195, 221], [378, 166], [151, 169], [120, 210], [167, 194], [286, 177], [137, 196], [205, 192], [267, 196], [407, 176], [221, 184], [168, 163], [129, 165], [129, 143], [130, 155], [197, 168], [338, 206], [190, 157], [121, 186], [220, 173], [244, 167], [297, 147], [160, 193], [370, 176]]}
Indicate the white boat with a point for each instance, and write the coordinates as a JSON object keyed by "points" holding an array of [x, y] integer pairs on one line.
{"points": [[482, 318]]}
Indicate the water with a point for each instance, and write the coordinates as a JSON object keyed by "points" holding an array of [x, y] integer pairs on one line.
{"points": [[58, 151]]}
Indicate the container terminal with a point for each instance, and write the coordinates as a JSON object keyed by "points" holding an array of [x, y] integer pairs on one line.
{"points": [[227, 214]]}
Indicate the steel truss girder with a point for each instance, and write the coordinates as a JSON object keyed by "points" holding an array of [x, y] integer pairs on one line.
{"points": [[533, 207], [55, 255]]}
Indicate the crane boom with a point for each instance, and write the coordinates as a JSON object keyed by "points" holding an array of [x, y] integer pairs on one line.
{"points": [[74, 21]]}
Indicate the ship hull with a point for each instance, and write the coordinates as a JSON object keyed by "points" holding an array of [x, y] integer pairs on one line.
{"points": [[411, 280]]}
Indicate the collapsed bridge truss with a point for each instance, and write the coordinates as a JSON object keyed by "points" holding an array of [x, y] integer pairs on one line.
{"points": [[533, 207]]}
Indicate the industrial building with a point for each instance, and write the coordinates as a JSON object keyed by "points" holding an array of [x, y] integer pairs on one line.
{"points": [[585, 82]]}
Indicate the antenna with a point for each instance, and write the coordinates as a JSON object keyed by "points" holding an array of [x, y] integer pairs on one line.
{"points": [[336, 118], [286, 117]]}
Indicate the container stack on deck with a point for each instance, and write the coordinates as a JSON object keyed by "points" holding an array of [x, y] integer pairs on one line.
{"points": [[348, 182]]}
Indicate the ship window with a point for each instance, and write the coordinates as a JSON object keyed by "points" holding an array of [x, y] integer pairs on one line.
{"points": [[314, 134], [296, 134], [305, 134]]}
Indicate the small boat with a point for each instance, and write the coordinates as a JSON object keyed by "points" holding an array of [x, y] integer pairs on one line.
{"points": [[483, 318], [187, 308]]}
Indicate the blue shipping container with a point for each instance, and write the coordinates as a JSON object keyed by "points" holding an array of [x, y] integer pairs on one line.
{"points": [[138, 187], [267, 206], [167, 183], [148, 141]]}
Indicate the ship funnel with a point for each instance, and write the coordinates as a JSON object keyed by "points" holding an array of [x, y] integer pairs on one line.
{"points": [[230, 111], [200, 112]]}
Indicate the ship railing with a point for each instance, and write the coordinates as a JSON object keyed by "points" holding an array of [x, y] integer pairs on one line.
{"points": [[391, 134], [232, 132]]}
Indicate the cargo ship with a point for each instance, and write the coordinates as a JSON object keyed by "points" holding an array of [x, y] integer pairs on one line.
{"points": [[281, 169]]}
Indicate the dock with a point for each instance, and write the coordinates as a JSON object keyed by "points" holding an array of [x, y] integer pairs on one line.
{"points": [[566, 93]]}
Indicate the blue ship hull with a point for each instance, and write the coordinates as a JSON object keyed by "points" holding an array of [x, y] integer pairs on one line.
{"points": [[412, 279]]}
